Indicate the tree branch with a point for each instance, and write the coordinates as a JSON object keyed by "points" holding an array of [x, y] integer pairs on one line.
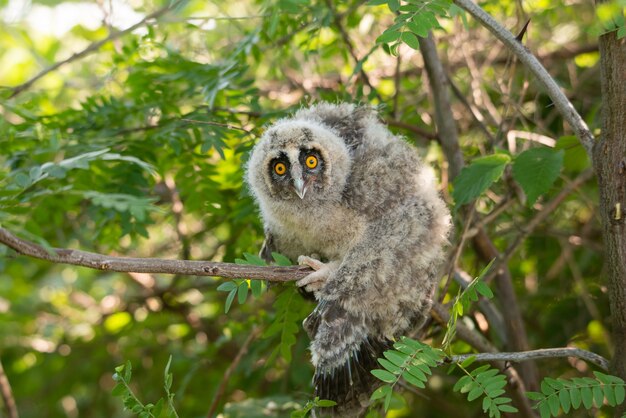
{"points": [[444, 119], [93, 47], [229, 371], [561, 101], [7, 395], [537, 354], [152, 265]]}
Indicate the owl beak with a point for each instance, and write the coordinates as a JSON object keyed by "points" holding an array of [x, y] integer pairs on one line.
{"points": [[300, 187]]}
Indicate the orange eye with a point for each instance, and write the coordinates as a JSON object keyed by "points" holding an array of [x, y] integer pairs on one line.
{"points": [[280, 168], [311, 161]]}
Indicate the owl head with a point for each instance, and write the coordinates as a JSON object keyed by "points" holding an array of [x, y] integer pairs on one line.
{"points": [[299, 161]]}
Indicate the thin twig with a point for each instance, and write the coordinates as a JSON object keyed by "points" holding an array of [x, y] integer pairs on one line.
{"points": [[560, 100], [410, 127], [537, 354], [222, 125], [152, 265], [351, 50], [93, 47], [546, 211], [7, 394], [229, 371]]}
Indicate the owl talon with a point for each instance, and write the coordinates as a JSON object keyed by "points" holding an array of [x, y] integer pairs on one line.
{"points": [[312, 262], [316, 280]]}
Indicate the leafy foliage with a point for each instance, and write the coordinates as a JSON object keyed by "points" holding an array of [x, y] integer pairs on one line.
{"points": [[477, 177], [240, 288], [315, 403], [411, 361], [570, 394], [489, 383], [413, 19], [164, 406], [289, 313], [463, 301], [536, 169]]}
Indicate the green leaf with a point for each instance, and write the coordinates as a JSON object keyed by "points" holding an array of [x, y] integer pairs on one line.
{"points": [[388, 36], [486, 403], [544, 410], [226, 286], [619, 394], [415, 381], [22, 180], [281, 260], [381, 392], [477, 177], [507, 408], [587, 396], [256, 286], [411, 40], [119, 390], [536, 170], [609, 394], [574, 394], [483, 289], [254, 260], [388, 400], [474, 393], [534, 396], [229, 300], [384, 375], [575, 157], [565, 400], [598, 396], [553, 401], [396, 357], [242, 292], [389, 366], [167, 376]]}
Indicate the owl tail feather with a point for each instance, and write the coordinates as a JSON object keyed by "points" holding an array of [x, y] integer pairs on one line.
{"points": [[350, 383]]}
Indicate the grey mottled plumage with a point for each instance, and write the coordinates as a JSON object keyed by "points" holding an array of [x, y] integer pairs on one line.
{"points": [[334, 184]]}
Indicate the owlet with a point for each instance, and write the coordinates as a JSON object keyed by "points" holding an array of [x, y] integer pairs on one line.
{"points": [[340, 193]]}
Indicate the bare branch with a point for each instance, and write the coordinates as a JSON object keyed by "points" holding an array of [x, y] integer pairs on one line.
{"points": [[152, 265], [537, 354], [229, 371], [93, 47], [7, 395], [561, 101], [547, 210], [412, 128], [446, 125]]}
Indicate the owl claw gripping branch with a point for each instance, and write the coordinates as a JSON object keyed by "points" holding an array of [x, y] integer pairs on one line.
{"points": [[333, 181], [314, 281]]}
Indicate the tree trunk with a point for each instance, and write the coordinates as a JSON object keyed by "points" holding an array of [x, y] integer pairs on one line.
{"points": [[609, 157]]}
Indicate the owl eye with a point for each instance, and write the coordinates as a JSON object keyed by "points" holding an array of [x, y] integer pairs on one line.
{"points": [[280, 168], [311, 161]]}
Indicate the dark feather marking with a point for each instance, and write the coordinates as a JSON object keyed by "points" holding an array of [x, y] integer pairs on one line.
{"points": [[345, 383], [267, 248]]}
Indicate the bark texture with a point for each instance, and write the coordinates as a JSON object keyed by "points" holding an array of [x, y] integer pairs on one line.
{"points": [[609, 157]]}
